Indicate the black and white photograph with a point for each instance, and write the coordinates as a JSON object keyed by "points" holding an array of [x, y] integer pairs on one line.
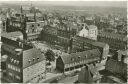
{"points": [[63, 41]]}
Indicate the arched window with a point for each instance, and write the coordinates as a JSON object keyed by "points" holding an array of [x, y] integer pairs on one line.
{"points": [[78, 57], [33, 59]]}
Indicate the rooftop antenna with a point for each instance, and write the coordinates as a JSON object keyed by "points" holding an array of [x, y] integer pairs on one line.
{"points": [[31, 3], [21, 10]]}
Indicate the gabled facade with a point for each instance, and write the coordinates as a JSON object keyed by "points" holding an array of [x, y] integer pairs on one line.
{"points": [[89, 31], [22, 61]]}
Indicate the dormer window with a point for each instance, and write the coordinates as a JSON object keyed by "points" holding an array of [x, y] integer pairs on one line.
{"points": [[78, 57], [17, 62], [38, 24], [38, 58], [29, 61], [14, 61], [85, 56], [72, 59], [32, 25], [33, 59]]}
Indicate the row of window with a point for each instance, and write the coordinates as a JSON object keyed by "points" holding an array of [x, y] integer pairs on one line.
{"points": [[80, 62], [33, 25], [33, 30], [73, 59], [111, 38], [114, 44], [14, 61], [15, 68], [15, 24], [33, 60], [14, 76]]}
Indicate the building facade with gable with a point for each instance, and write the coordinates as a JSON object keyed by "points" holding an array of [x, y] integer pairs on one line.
{"points": [[24, 63], [89, 31]]}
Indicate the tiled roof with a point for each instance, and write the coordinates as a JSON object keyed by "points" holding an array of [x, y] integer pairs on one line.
{"points": [[92, 27], [33, 55], [30, 15], [99, 44], [76, 57], [90, 41], [11, 34], [83, 39]]}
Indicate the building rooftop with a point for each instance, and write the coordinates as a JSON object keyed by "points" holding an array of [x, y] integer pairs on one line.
{"points": [[92, 27], [99, 44], [31, 57], [83, 39], [125, 52], [76, 57], [12, 35]]}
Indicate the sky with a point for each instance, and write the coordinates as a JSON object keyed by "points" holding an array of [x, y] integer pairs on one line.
{"points": [[108, 3]]}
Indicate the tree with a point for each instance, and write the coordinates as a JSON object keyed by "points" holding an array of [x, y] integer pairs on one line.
{"points": [[50, 55]]}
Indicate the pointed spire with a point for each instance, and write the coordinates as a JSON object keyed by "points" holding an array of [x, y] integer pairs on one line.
{"points": [[7, 15], [21, 9], [31, 3]]}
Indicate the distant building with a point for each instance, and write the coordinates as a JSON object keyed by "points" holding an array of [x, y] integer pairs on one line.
{"points": [[24, 63], [84, 32], [77, 60], [123, 56], [3, 25], [80, 44], [93, 32], [13, 35], [15, 23], [27, 21], [90, 32], [33, 29], [55, 37], [3, 65], [114, 40], [117, 68], [89, 74], [89, 20]]}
